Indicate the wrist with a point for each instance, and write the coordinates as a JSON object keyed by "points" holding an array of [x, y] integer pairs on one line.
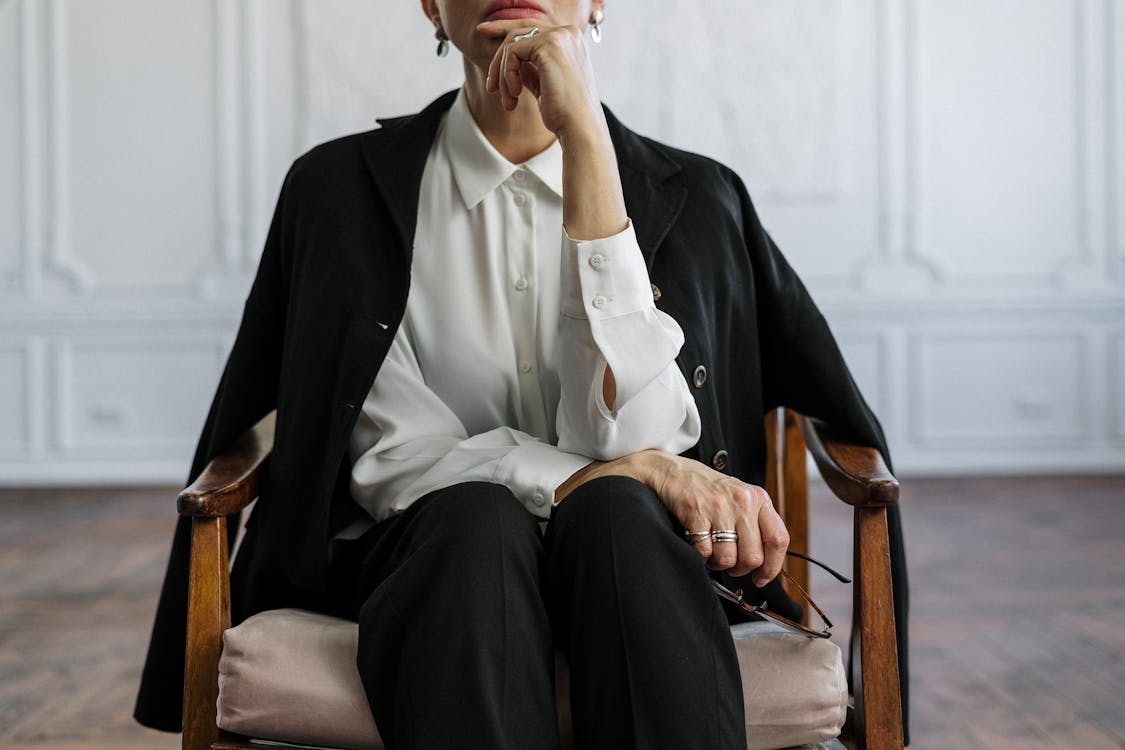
{"points": [[585, 136]]}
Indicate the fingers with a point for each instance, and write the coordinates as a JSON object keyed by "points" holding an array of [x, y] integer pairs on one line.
{"points": [[697, 520], [775, 540], [705, 500], [750, 555], [512, 58], [762, 536]]}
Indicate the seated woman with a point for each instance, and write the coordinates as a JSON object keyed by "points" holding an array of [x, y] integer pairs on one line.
{"points": [[506, 310]]}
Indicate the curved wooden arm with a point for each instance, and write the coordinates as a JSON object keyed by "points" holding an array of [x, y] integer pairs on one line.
{"points": [[856, 474], [230, 480]]}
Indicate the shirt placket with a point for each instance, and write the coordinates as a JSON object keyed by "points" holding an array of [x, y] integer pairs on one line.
{"points": [[523, 294]]}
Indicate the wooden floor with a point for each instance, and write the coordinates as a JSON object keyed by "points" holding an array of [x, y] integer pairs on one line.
{"points": [[1018, 611]]}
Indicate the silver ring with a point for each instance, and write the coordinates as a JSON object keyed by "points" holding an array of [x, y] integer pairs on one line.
{"points": [[697, 533], [724, 535], [528, 35]]}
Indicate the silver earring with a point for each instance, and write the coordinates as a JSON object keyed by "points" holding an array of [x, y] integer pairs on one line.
{"points": [[596, 19], [443, 42]]}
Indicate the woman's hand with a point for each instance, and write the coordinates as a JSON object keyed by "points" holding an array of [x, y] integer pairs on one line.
{"points": [[554, 65], [703, 499]]}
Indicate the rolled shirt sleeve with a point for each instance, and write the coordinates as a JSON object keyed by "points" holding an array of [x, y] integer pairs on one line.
{"points": [[609, 320]]}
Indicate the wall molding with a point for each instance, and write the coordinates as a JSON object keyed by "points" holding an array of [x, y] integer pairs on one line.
{"points": [[15, 279], [239, 107], [1115, 83], [898, 263], [60, 259], [21, 446], [32, 123], [1093, 123], [65, 442], [924, 436]]}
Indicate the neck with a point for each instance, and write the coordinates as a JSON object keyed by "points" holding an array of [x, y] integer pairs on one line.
{"points": [[518, 135]]}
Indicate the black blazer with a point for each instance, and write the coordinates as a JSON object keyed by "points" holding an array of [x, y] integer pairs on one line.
{"points": [[330, 292]]}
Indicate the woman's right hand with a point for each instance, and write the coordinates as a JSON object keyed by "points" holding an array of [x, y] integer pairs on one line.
{"points": [[703, 499]]}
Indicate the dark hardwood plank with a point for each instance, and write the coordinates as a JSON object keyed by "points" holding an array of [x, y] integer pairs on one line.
{"points": [[1018, 605]]}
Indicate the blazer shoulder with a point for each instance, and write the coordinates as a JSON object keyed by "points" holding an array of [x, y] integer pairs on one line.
{"points": [[329, 162]]}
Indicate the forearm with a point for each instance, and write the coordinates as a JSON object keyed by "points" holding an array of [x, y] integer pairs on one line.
{"points": [[593, 203], [640, 466]]}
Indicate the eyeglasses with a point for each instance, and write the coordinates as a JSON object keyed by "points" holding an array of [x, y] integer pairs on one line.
{"points": [[760, 609]]}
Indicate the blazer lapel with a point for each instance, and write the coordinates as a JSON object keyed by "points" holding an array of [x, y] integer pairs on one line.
{"points": [[652, 200], [396, 157]]}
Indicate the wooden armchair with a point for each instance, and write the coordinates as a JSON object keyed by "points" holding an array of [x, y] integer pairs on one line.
{"points": [[855, 474]]}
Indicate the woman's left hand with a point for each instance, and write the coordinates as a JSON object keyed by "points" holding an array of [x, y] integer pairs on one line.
{"points": [[554, 65]]}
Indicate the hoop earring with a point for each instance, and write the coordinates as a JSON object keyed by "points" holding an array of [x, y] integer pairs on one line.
{"points": [[443, 41], [596, 19]]}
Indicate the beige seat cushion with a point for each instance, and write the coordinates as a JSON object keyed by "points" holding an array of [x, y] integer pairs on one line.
{"points": [[290, 675]]}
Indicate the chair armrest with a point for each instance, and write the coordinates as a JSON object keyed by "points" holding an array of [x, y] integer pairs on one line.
{"points": [[230, 481], [856, 474]]}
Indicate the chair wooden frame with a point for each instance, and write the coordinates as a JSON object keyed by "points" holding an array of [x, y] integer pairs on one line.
{"points": [[856, 474]]}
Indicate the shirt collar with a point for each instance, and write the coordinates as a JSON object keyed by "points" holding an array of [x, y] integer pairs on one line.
{"points": [[478, 168]]}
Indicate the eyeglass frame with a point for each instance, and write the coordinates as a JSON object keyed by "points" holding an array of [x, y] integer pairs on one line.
{"points": [[737, 597]]}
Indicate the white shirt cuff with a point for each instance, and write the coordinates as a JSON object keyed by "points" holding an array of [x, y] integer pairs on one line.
{"points": [[533, 472]]}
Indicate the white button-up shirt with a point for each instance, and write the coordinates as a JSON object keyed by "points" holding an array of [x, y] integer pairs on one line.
{"points": [[496, 371]]}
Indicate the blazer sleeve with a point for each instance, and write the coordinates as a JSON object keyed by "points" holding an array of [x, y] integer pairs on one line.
{"points": [[246, 392], [803, 368]]}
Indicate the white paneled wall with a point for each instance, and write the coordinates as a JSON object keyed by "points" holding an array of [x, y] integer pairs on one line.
{"points": [[949, 178]]}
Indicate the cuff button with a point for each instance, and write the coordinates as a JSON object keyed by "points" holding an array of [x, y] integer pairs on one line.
{"points": [[719, 460], [655, 293]]}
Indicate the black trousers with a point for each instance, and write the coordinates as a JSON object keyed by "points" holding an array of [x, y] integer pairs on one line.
{"points": [[461, 602]]}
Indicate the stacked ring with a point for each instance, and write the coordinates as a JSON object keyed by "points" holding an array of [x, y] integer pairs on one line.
{"points": [[695, 537], [724, 535]]}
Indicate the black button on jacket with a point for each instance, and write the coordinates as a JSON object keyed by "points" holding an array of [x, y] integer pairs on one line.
{"points": [[330, 292]]}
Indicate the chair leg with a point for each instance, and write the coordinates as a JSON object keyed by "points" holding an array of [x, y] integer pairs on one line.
{"points": [[208, 616], [878, 714]]}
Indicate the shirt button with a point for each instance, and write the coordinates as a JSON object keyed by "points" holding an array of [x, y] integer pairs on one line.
{"points": [[599, 302], [525, 367], [719, 460], [519, 199], [699, 377], [520, 175], [538, 499], [521, 284], [655, 293], [597, 260]]}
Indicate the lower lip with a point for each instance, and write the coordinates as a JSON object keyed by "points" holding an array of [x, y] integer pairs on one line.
{"points": [[506, 14]]}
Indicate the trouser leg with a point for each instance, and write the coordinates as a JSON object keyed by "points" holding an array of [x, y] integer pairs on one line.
{"points": [[652, 662], [455, 647]]}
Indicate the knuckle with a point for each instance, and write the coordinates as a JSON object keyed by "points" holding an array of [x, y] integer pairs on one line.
{"points": [[754, 559], [724, 560]]}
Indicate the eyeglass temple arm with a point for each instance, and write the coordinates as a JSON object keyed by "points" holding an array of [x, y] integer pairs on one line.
{"points": [[819, 564], [808, 598]]}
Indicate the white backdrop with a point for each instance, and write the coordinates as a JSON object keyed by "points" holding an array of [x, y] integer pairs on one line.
{"points": [[948, 177]]}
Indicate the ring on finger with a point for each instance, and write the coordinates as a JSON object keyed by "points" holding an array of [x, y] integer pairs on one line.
{"points": [[526, 35], [724, 535]]}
